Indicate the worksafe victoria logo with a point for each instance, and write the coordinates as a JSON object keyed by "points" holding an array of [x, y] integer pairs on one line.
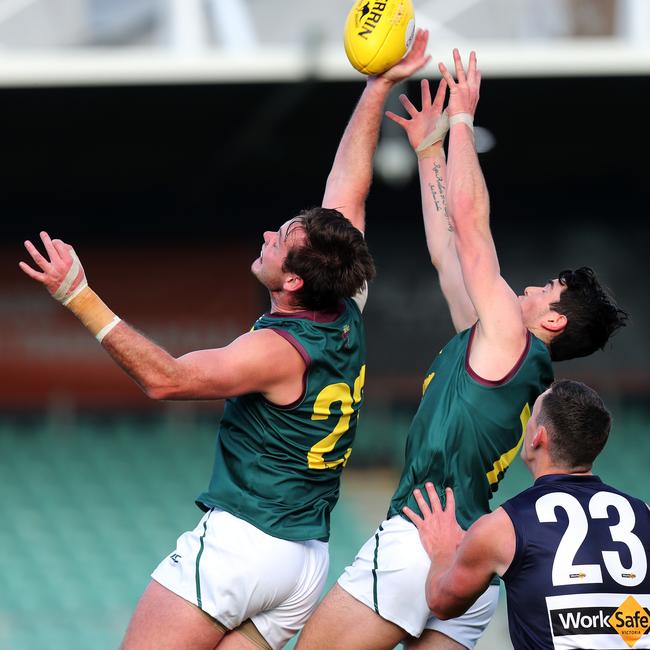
{"points": [[599, 621]]}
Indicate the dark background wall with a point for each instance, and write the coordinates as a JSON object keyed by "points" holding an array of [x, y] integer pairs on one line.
{"points": [[171, 168]]}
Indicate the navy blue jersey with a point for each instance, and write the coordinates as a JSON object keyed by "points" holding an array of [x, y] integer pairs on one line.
{"points": [[579, 576]]}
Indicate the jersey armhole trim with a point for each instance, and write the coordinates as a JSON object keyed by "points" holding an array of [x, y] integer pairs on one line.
{"points": [[495, 382], [305, 357]]}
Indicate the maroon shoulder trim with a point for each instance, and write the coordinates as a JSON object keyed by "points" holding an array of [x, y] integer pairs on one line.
{"points": [[305, 357], [503, 380], [315, 316]]}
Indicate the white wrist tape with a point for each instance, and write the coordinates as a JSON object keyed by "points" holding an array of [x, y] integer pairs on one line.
{"points": [[464, 118], [438, 133], [70, 277], [107, 328], [82, 285]]}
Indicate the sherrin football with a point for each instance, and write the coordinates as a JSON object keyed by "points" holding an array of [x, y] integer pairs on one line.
{"points": [[378, 34]]}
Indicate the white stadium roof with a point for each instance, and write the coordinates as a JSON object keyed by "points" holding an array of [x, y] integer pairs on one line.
{"points": [[83, 42]]}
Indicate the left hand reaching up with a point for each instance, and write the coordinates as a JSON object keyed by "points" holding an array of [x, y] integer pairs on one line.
{"points": [[463, 93]]}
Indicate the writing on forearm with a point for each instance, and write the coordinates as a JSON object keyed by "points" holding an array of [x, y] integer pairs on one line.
{"points": [[438, 195]]}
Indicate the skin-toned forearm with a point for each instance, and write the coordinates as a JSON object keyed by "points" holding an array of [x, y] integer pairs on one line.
{"points": [[440, 600], [351, 175], [467, 196], [438, 228], [149, 365]]}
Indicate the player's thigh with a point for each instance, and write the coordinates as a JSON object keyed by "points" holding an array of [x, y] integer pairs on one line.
{"points": [[464, 630], [433, 640], [341, 622], [164, 621], [245, 637]]}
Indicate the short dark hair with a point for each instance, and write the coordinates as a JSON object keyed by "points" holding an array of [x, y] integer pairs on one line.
{"points": [[577, 421], [592, 315], [334, 261]]}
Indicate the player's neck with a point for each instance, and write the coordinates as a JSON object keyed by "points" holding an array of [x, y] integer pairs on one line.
{"points": [[281, 303], [545, 469], [543, 335]]}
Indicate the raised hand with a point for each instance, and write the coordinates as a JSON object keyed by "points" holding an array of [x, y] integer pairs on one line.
{"points": [[464, 91], [439, 531], [424, 121], [61, 272], [412, 62]]}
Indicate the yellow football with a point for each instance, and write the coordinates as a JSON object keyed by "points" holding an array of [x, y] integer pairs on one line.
{"points": [[378, 34]]}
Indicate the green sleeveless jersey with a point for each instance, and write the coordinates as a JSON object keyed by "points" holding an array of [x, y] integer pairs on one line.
{"points": [[468, 430], [279, 467]]}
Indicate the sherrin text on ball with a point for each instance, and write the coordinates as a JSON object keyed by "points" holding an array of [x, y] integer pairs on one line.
{"points": [[378, 34]]}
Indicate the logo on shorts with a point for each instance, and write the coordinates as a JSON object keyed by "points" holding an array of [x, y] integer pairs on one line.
{"points": [[630, 620], [175, 557]]}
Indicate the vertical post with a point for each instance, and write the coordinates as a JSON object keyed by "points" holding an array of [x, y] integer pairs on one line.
{"points": [[633, 21], [232, 24], [185, 26]]}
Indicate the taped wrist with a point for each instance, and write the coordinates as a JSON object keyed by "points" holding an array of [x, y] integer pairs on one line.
{"points": [[438, 134], [464, 118], [91, 310], [435, 150]]}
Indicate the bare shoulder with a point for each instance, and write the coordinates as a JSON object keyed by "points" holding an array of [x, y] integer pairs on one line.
{"points": [[270, 346]]}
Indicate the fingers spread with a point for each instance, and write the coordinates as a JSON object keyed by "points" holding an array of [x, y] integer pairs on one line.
{"points": [[36, 256], [451, 501], [439, 99], [36, 275], [406, 103], [458, 63], [416, 519], [397, 118], [425, 92], [49, 247], [433, 497], [471, 70], [421, 501], [447, 76]]}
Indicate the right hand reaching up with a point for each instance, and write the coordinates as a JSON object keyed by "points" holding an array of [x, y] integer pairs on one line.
{"points": [[61, 274]]}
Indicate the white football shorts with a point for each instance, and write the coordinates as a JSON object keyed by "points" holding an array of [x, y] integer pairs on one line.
{"points": [[389, 575], [234, 571]]}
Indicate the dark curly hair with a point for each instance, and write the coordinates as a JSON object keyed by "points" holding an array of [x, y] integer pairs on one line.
{"points": [[577, 421], [592, 315], [334, 261]]}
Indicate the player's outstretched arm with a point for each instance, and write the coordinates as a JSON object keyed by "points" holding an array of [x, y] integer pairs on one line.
{"points": [[255, 362], [426, 130], [462, 564], [349, 180], [500, 319]]}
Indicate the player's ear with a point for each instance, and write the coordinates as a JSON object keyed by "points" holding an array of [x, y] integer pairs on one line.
{"points": [[292, 282], [540, 439], [554, 322]]}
